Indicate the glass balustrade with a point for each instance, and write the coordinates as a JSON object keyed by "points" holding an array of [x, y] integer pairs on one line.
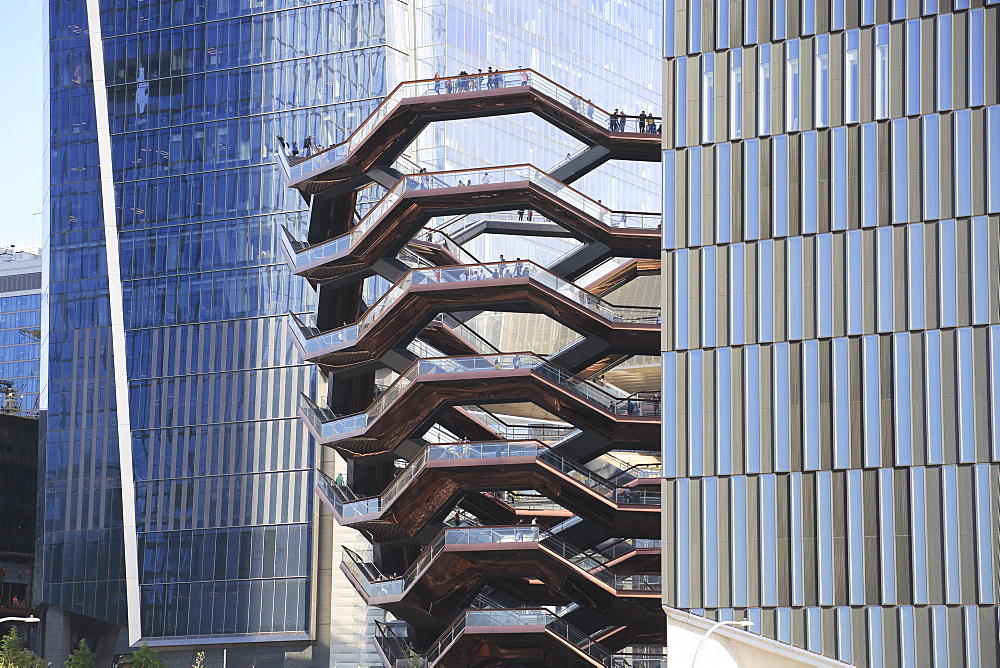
{"points": [[516, 618], [338, 247], [313, 342], [591, 562], [333, 426], [298, 167], [341, 497], [362, 572]]}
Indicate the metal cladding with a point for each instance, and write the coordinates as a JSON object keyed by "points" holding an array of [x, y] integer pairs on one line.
{"points": [[831, 347]]}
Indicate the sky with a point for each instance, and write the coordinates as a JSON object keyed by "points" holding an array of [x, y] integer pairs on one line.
{"points": [[22, 47]]}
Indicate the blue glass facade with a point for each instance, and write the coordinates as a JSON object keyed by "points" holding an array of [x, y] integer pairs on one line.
{"points": [[21, 326], [196, 94], [831, 271]]}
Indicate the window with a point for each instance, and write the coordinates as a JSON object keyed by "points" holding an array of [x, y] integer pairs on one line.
{"points": [[881, 72], [851, 76], [821, 79], [707, 97], [944, 60], [792, 94], [912, 67], [735, 94], [764, 89], [750, 22], [680, 105], [779, 19], [722, 26], [976, 57]]}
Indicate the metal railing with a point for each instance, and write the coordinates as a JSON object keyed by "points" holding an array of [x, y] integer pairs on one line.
{"points": [[334, 155], [328, 425], [301, 257], [374, 586], [312, 342], [520, 617], [348, 505], [593, 563]]}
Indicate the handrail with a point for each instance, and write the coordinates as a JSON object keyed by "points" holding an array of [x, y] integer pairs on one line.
{"points": [[466, 332], [433, 235], [327, 424], [592, 564], [518, 432], [312, 340], [339, 246], [349, 505], [467, 83], [518, 617]]}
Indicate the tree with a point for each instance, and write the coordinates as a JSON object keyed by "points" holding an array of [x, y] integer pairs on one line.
{"points": [[12, 655], [199, 660], [146, 657], [81, 657]]}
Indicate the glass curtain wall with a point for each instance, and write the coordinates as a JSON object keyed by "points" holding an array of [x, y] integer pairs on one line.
{"points": [[80, 549], [197, 95], [603, 50]]}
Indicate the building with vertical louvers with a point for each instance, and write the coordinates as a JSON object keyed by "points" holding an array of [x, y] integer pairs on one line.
{"points": [[831, 348]]}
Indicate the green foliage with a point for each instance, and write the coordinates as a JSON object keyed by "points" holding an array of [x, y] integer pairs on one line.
{"points": [[13, 655], [145, 657], [199, 660], [81, 657]]}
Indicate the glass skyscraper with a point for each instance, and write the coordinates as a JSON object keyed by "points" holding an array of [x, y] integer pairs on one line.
{"points": [[177, 500], [20, 327], [831, 349]]}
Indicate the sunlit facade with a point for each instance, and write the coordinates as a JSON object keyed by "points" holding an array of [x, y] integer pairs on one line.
{"points": [[178, 498], [831, 348], [20, 327]]}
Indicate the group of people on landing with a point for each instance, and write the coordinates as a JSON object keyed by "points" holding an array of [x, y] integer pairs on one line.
{"points": [[465, 82], [644, 122], [308, 146]]}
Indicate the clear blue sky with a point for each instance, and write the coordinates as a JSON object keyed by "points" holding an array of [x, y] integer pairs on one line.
{"points": [[22, 45]]}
